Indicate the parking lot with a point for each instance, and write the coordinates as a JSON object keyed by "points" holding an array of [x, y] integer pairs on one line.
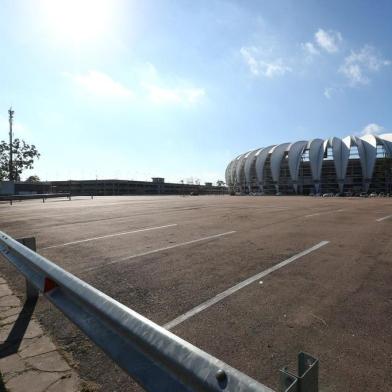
{"points": [[251, 280]]}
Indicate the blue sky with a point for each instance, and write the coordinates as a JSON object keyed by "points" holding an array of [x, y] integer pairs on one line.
{"points": [[134, 89]]}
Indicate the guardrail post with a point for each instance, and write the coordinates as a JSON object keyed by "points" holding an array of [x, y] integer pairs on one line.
{"points": [[32, 292], [307, 378]]}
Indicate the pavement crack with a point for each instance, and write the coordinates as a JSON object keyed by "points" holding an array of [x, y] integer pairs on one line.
{"points": [[37, 355], [53, 383], [50, 371], [319, 318]]}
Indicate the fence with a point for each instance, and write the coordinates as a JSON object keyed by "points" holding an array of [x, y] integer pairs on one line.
{"points": [[42, 196]]}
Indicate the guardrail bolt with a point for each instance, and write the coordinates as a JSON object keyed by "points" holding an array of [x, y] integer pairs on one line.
{"points": [[221, 377]]}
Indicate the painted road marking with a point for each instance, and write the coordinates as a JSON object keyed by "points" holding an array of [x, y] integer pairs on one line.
{"points": [[159, 250], [323, 213], [240, 285], [109, 235], [385, 217]]}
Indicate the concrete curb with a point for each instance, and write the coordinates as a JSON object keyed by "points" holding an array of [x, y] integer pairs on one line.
{"points": [[28, 358]]}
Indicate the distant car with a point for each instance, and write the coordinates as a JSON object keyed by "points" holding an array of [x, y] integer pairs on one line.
{"points": [[381, 194], [373, 194], [278, 194], [363, 194]]}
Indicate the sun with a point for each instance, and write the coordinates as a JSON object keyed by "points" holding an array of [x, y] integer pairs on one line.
{"points": [[77, 21]]}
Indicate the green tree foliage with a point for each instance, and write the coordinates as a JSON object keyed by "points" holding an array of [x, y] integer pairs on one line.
{"points": [[23, 158], [33, 179]]}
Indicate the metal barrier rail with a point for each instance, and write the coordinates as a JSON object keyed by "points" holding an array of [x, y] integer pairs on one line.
{"points": [[156, 358], [42, 196]]}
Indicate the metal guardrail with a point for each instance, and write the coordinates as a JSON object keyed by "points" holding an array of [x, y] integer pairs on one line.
{"points": [[156, 358], [42, 196]]}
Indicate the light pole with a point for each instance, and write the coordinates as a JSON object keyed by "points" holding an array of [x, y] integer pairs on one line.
{"points": [[11, 164]]}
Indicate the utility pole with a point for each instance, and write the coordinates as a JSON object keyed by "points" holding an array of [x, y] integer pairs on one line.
{"points": [[11, 164]]}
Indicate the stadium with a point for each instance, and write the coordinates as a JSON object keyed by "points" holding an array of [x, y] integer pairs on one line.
{"points": [[350, 166]]}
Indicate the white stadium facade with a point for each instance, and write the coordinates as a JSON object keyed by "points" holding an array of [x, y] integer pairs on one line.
{"points": [[350, 165]]}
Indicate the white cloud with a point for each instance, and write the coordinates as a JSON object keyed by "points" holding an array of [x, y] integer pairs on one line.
{"points": [[358, 65], [177, 95], [193, 94], [328, 91], [148, 71], [310, 48], [101, 84], [151, 85], [328, 40], [259, 66], [372, 129], [169, 90]]}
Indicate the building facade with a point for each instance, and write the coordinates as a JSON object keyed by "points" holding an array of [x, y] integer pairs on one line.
{"points": [[353, 164], [157, 186]]}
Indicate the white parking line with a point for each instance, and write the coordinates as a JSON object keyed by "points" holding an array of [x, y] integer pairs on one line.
{"points": [[108, 236], [323, 213], [385, 217], [240, 285], [158, 250]]}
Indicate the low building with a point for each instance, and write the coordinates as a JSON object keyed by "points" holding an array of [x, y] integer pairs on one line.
{"points": [[24, 188], [124, 187]]}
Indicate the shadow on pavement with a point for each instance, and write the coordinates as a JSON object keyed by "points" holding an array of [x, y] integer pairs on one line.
{"points": [[15, 337], [2, 386]]}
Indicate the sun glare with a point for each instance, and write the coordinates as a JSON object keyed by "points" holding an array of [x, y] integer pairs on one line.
{"points": [[77, 21]]}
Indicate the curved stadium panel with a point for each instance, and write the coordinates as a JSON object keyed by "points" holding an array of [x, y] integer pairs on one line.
{"points": [[349, 165]]}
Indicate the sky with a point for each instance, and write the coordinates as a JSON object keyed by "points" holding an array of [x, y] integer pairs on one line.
{"points": [[176, 89]]}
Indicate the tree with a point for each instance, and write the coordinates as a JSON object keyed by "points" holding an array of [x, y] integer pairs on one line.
{"points": [[23, 158], [33, 179], [220, 183]]}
